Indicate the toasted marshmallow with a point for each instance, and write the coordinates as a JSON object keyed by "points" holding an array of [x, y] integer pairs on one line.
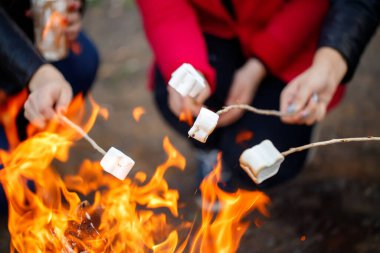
{"points": [[261, 161], [117, 163], [187, 81], [204, 125]]}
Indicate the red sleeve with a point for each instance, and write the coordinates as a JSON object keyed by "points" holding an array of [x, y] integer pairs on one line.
{"points": [[288, 31], [173, 32]]}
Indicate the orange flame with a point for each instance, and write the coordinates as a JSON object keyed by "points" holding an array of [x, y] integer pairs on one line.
{"points": [[223, 232], [244, 136], [51, 218], [56, 22], [124, 216], [138, 112], [186, 116]]}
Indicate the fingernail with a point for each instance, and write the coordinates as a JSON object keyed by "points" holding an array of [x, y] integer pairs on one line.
{"points": [[291, 108], [305, 114]]}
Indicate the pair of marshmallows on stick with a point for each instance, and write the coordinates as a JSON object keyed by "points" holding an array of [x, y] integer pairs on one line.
{"points": [[187, 81], [260, 162]]}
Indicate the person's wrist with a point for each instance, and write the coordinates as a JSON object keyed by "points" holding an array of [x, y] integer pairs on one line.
{"points": [[43, 75], [331, 63], [255, 67]]}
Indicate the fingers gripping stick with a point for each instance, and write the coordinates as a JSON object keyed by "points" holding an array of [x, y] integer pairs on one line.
{"points": [[264, 160], [114, 161], [187, 81]]}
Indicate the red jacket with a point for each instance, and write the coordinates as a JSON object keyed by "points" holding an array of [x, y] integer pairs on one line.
{"points": [[283, 34]]}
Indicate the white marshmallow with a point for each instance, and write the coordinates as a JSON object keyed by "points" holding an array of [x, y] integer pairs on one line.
{"points": [[261, 161], [187, 81], [117, 163], [204, 125]]}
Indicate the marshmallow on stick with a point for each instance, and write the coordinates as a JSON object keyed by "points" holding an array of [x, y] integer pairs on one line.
{"points": [[114, 161], [204, 125], [117, 163], [187, 81], [263, 161], [207, 120]]}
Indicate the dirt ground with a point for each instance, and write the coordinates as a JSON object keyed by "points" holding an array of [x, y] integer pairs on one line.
{"points": [[334, 203]]}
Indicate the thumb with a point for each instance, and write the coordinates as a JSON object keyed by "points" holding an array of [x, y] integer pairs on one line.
{"points": [[63, 101]]}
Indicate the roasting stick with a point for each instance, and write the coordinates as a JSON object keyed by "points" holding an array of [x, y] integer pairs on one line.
{"points": [[207, 120], [114, 161], [263, 160], [83, 133], [252, 109], [325, 143]]}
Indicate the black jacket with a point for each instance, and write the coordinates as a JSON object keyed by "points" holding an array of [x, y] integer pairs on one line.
{"points": [[348, 28], [19, 59]]}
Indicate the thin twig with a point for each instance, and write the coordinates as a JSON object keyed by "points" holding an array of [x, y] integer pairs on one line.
{"points": [[252, 109], [83, 133], [333, 141]]}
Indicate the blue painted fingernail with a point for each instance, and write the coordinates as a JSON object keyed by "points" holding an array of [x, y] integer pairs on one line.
{"points": [[291, 108], [304, 114]]}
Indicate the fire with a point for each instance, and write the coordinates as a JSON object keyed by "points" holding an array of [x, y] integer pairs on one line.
{"points": [[122, 216], [186, 116], [55, 23], [138, 112], [222, 232], [244, 136]]}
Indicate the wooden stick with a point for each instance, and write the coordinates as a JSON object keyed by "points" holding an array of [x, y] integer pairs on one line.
{"points": [[83, 133], [252, 109], [333, 141]]}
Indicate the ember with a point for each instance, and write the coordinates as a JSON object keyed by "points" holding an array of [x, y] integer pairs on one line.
{"points": [[138, 112]]}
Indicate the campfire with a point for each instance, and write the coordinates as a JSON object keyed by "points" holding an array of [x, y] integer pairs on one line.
{"points": [[139, 214]]}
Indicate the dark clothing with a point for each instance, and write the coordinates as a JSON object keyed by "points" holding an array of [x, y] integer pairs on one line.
{"points": [[226, 57], [349, 27], [19, 58]]}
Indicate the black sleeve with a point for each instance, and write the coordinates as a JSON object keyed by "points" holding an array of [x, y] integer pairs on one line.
{"points": [[19, 59], [349, 27]]}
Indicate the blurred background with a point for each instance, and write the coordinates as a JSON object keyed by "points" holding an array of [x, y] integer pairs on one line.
{"points": [[333, 206]]}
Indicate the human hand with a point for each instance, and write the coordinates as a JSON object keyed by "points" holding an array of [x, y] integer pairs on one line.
{"points": [[244, 86], [74, 20], [49, 94], [179, 104], [319, 82]]}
